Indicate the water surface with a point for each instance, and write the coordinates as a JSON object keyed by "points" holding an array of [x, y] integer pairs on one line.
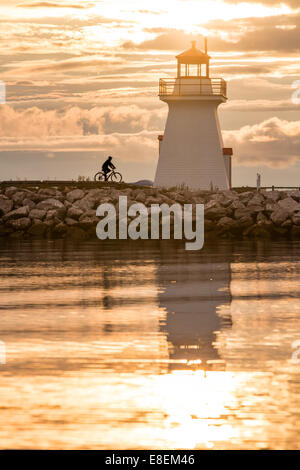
{"points": [[145, 345]]}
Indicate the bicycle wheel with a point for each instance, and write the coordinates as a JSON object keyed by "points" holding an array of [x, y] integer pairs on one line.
{"points": [[99, 176], [116, 177]]}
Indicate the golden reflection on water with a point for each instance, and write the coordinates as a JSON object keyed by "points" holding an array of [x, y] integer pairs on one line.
{"points": [[147, 346]]}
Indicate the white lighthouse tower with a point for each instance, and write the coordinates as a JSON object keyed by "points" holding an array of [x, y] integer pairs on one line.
{"points": [[191, 150]]}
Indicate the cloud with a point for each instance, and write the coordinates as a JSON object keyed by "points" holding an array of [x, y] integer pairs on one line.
{"points": [[270, 3], [36, 123], [274, 143], [127, 147], [64, 66], [274, 33], [55, 5]]}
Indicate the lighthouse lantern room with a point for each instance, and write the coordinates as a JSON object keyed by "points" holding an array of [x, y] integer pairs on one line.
{"points": [[191, 149]]}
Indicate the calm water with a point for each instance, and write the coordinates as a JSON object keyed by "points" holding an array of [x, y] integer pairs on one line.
{"points": [[128, 346]]}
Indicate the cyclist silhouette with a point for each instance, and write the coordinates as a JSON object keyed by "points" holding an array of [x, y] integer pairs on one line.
{"points": [[107, 167]]}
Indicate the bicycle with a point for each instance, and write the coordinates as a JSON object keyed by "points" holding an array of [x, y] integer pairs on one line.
{"points": [[113, 176]]}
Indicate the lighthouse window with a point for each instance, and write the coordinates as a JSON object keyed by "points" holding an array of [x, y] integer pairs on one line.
{"points": [[193, 70]]}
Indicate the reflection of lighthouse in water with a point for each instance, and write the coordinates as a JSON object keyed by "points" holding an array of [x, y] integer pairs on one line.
{"points": [[191, 295]]}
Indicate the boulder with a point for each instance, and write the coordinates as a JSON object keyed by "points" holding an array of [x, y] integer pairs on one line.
{"points": [[296, 218], [257, 200], [96, 195], [294, 194], [245, 221], [10, 191], [50, 204], [19, 197], [59, 230], [227, 222], [6, 205], [37, 214], [255, 208], [28, 202], [262, 219], [74, 212], [289, 205], [272, 196], [236, 204], [74, 195], [16, 214], [85, 204], [70, 222], [140, 196], [49, 193], [20, 224], [271, 207], [246, 196], [240, 213], [213, 210], [279, 216]]}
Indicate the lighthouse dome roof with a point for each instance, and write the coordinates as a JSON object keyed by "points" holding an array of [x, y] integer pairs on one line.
{"points": [[193, 55]]}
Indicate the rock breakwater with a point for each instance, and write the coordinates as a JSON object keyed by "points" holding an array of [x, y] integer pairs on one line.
{"points": [[70, 211]]}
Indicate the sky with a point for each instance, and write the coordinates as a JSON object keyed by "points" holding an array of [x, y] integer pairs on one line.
{"points": [[81, 82]]}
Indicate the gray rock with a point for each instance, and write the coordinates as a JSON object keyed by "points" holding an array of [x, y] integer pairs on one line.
{"points": [[96, 195], [28, 202], [85, 204], [49, 204], [140, 196], [246, 196], [74, 212], [271, 207], [289, 205], [230, 194], [69, 221], [236, 204], [245, 221], [74, 195], [20, 224], [256, 200], [16, 214], [6, 205], [59, 230], [89, 218], [272, 196], [51, 214], [37, 214], [50, 193], [296, 218], [227, 222], [10, 191], [239, 213], [279, 216], [254, 208], [294, 194], [262, 219], [19, 197]]}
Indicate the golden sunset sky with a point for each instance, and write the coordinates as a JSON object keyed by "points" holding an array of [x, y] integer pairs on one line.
{"points": [[82, 83]]}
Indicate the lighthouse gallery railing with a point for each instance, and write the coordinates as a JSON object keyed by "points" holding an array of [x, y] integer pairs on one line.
{"points": [[193, 86]]}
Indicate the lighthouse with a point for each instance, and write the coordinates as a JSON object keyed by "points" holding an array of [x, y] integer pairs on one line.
{"points": [[191, 149]]}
